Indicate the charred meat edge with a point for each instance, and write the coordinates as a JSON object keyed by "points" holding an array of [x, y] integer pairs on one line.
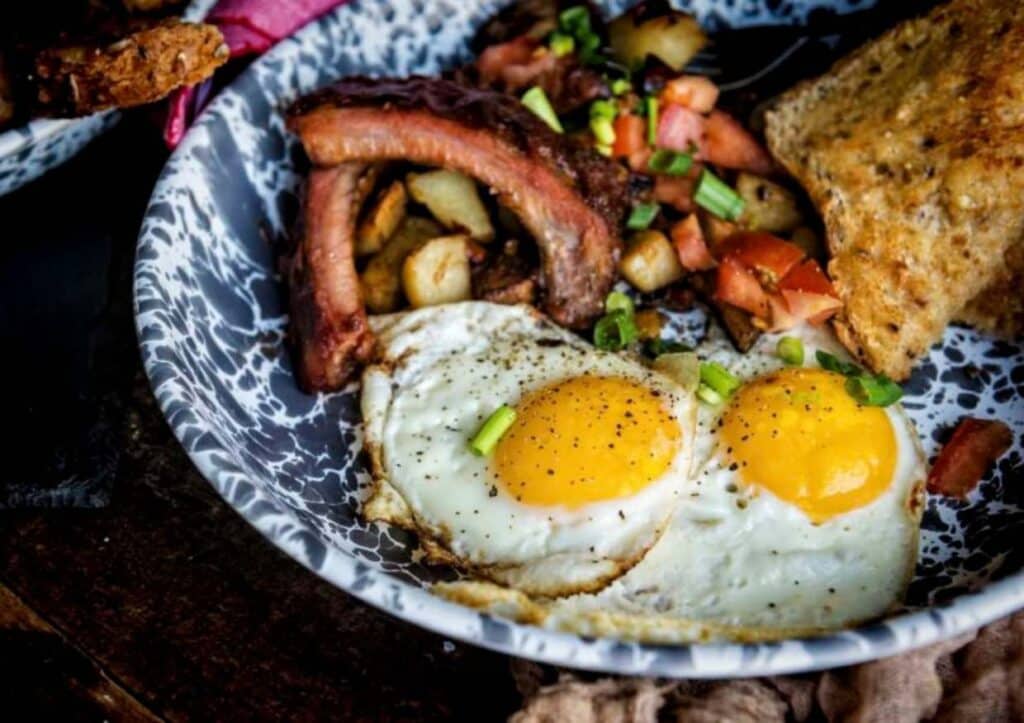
{"points": [[329, 328], [570, 198]]}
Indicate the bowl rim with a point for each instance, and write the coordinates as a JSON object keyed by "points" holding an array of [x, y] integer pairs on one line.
{"points": [[417, 605]]}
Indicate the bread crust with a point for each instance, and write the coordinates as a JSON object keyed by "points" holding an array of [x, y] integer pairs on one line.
{"points": [[912, 148]]}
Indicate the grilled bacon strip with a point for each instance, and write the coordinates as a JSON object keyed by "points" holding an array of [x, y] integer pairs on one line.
{"points": [[570, 198]]}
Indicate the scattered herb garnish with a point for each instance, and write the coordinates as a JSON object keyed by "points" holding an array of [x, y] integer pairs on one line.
{"points": [[790, 350], [872, 390], [714, 195], [718, 379], [618, 301], [561, 43], [615, 331], [537, 101], [671, 163], [651, 111], [641, 216], [496, 425]]}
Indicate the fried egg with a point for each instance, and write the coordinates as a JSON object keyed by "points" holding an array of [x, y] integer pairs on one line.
{"points": [[577, 489], [802, 515]]}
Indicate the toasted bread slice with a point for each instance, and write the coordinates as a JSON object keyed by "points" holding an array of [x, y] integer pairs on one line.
{"points": [[912, 148], [142, 66], [1000, 307]]}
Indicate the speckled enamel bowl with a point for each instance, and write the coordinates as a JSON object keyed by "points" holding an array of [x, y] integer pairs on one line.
{"points": [[211, 328]]}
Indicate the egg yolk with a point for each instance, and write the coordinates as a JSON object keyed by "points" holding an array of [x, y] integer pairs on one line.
{"points": [[586, 439], [799, 434]]}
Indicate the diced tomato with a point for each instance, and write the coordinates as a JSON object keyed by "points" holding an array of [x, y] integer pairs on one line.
{"points": [[494, 59], [814, 308], [676, 191], [680, 129], [690, 247], [737, 286], [690, 91], [727, 143], [975, 445], [629, 135], [808, 276], [779, 316], [771, 257]]}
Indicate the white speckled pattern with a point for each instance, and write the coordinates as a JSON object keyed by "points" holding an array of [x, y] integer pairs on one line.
{"points": [[211, 325]]}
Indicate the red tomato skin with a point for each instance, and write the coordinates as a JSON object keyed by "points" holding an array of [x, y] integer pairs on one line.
{"points": [[808, 276], [811, 307], [676, 191], [728, 144], [680, 129], [629, 135], [737, 286], [691, 248], [975, 445], [769, 255]]}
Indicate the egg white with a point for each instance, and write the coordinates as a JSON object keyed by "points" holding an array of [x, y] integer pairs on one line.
{"points": [[442, 371], [739, 563]]}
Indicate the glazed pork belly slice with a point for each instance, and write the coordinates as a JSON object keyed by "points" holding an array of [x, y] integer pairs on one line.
{"points": [[328, 320], [569, 198]]}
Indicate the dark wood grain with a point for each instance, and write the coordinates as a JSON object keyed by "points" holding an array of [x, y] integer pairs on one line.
{"points": [[167, 591]]}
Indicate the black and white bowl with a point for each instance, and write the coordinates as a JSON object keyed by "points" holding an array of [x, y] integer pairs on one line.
{"points": [[211, 327]]}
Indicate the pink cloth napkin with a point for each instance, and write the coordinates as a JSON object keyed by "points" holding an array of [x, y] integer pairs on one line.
{"points": [[250, 27]]}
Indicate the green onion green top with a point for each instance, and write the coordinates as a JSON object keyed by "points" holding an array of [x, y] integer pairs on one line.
{"points": [[618, 301], [561, 44], [616, 330], [714, 195], [621, 86], [708, 395], [718, 378], [873, 390], [790, 350], [537, 101], [670, 163], [496, 425], [641, 216], [651, 111]]}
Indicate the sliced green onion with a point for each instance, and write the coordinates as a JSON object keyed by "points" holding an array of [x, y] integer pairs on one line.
{"points": [[669, 162], [790, 350], [603, 131], [496, 425], [708, 395], [537, 101], [659, 346], [621, 86], [615, 331], [874, 391], [561, 44], [603, 149], [575, 19], [714, 195], [833, 363], [718, 378], [651, 111], [589, 44], [641, 216], [618, 301], [605, 109]]}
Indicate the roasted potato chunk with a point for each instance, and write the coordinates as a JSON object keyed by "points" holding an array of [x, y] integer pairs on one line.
{"points": [[651, 262], [769, 207], [454, 201], [381, 220], [438, 272], [670, 36], [381, 280]]}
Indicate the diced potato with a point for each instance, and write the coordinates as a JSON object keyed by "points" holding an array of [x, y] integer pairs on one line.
{"points": [[716, 230], [769, 206], [454, 201], [381, 220], [681, 367], [438, 272], [651, 262], [648, 324], [808, 240], [381, 280], [673, 38]]}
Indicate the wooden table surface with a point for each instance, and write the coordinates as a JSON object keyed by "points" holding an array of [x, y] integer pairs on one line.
{"points": [[164, 603]]}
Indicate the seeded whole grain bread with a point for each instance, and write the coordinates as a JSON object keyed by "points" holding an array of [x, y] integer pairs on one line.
{"points": [[141, 67], [912, 149]]}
